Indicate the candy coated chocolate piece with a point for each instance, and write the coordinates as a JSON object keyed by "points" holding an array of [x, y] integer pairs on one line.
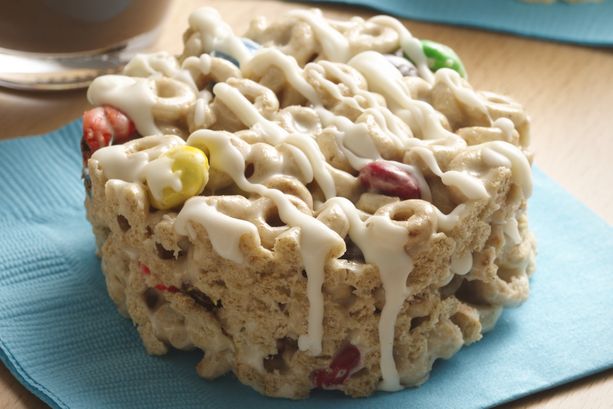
{"points": [[342, 366], [390, 179], [441, 56], [144, 269], [104, 126], [123, 128], [227, 57], [406, 67], [87, 181], [192, 165], [251, 45], [164, 287]]}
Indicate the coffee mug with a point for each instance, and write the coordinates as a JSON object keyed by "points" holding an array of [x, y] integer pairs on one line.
{"points": [[64, 44]]}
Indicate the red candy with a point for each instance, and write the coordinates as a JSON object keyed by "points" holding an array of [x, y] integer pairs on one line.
{"points": [[144, 269], [122, 126], [160, 287], [390, 179], [341, 367], [103, 126], [170, 289]]}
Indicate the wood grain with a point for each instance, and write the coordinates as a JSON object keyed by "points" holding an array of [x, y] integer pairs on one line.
{"points": [[567, 90]]}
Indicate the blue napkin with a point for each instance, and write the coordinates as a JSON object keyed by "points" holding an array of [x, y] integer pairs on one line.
{"points": [[62, 337], [585, 24]]}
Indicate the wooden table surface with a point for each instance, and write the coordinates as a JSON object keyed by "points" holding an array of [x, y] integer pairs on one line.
{"points": [[567, 90]]}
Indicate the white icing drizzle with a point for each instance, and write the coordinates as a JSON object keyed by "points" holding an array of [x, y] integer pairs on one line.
{"points": [[334, 44], [123, 163], [511, 230], [160, 64], [467, 95], [461, 265], [248, 114], [494, 159], [133, 96], [360, 150], [217, 35], [357, 146], [468, 184], [382, 242], [303, 163], [446, 222], [267, 57], [506, 126], [317, 241], [424, 189], [409, 45], [224, 231], [276, 135], [394, 128], [381, 239], [385, 79], [520, 167], [117, 164], [347, 79], [159, 176], [114, 186], [199, 111]]}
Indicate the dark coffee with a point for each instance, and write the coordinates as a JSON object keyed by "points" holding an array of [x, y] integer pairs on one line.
{"points": [[68, 26]]}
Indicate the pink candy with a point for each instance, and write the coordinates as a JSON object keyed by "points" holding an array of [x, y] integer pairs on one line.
{"points": [[341, 367], [390, 179], [103, 126]]}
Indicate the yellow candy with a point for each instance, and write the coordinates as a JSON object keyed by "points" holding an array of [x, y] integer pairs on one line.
{"points": [[191, 165], [200, 145]]}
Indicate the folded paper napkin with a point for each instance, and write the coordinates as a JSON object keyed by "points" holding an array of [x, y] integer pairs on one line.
{"points": [[585, 23], [62, 337]]}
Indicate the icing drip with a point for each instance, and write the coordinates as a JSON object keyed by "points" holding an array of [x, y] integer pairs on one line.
{"points": [[133, 96], [506, 126], [224, 232], [382, 243], [410, 45], [113, 186], [119, 162], [334, 44], [358, 148], [315, 250], [494, 159], [317, 241], [303, 163], [471, 186], [461, 265], [217, 35], [199, 111], [520, 167], [385, 79], [275, 135], [248, 114], [446, 222], [159, 65], [467, 95], [511, 230], [159, 175], [264, 59]]}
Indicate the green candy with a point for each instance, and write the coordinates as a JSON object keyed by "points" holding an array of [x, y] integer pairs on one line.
{"points": [[440, 56]]}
